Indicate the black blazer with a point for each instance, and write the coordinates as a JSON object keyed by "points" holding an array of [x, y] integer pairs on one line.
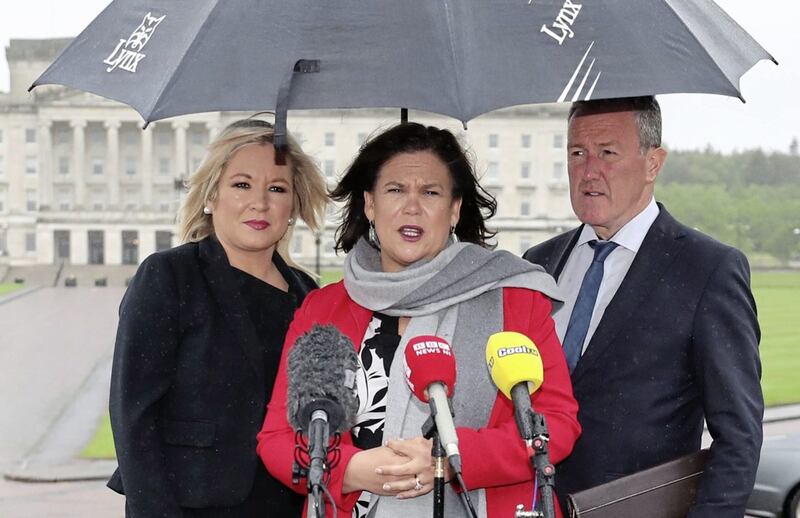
{"points": [[679, 341], [188, 388]]}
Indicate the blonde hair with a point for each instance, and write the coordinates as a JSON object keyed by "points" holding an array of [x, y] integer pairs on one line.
{"points": [[310, 195]]}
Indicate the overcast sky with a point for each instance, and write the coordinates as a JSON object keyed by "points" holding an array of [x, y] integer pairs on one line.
{"points": [[769, 119]]}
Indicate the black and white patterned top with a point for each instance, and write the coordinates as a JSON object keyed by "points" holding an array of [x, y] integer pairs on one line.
{"points": [[377, 351]]}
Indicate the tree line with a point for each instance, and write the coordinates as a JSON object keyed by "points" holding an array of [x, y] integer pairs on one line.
{"points": [[748, 199]]}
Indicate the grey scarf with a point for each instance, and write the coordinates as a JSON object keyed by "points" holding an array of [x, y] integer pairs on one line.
{"points": [[457, 296]]}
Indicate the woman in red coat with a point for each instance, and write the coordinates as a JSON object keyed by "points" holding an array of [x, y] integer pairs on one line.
{"points": [[418, 264]]}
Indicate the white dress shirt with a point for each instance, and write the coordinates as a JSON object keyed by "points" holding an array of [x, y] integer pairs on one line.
{"points": [[629, 238]]}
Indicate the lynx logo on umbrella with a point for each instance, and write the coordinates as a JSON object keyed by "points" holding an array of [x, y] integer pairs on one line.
{"points": [[562, 26], [128, 53]]}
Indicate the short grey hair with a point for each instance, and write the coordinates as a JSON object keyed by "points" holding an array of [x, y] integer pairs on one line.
{"points": [[646, 111]]}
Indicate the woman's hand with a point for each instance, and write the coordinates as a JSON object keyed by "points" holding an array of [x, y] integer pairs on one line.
{"points": [[415, 476], [363, 474]]}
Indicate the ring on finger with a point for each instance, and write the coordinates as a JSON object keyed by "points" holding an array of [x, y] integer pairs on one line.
{"points": [[417, 484]]}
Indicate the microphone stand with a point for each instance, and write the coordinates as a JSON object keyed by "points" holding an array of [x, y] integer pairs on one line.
{"points": [[438, 454], [544, 469], [318, 437]]}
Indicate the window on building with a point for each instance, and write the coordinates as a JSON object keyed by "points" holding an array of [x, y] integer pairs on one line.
{"points": [[31, 165], [525, 207], [493, 171], [30, 135], [63, 165], [2, 199], [2, 170], [61, 244], [98, 164], [558, 170], [31, 200], [130, 166], [526, 140], [97, 247], [131, 138], [558, 141], [330, 139], [525, 170], [30, 241], [330, 168], [1, 136], [329, 247], [164, 166], [163, 240], [62, 136], [130, 247], [98, 197], [64, 205], [494, 139]]}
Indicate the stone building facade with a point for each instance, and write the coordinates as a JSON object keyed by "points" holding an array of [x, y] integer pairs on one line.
{"points": [[82, 183]]}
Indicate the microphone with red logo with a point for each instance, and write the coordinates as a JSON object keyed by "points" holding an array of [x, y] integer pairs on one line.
{"points": [[431, 375]]}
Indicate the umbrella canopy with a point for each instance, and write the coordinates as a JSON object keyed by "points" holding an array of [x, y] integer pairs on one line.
{"points": [[457, 58]]}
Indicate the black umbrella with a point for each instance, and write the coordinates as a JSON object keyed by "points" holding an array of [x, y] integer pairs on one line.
{"points": [[459, 58]]}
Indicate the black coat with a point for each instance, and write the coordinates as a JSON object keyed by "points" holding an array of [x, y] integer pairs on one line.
{"points": [[679, 341], [188, 387]]}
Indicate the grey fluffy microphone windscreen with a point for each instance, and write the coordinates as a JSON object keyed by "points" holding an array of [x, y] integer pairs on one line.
{"points": [[321, 373]]}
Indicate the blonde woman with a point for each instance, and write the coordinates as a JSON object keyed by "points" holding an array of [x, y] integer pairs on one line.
{"points": [[201, 332]]}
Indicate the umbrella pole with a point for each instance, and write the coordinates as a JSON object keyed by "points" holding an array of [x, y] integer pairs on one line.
{"points": [[403, 115]]}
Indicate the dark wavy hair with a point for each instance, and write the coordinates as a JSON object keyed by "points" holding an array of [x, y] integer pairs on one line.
{"points": [[477, 205]]}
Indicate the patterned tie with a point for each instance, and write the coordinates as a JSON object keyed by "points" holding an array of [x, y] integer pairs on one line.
{"points": [[584, 305]]}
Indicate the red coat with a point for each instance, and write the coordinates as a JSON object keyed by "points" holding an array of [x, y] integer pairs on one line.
{"points": [[493, 457]]}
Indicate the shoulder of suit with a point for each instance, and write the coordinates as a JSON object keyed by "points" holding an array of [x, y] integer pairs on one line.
{"points": [[305, 278], [547, 247], [180, 255]]}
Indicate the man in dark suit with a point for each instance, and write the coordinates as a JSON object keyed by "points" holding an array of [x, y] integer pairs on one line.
{"points": [[659, 324]]}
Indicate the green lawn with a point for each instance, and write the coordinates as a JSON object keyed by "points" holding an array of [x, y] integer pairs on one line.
{"points": [[102, 444], [778, 299], [8, 287], [329, 276]]}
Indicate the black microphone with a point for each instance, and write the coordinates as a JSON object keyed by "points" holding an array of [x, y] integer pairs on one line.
{"points": [[321, 399]]}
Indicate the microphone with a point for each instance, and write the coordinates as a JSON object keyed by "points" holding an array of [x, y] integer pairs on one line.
{"points": [[321, 399], [430, 369], [516, 368]]}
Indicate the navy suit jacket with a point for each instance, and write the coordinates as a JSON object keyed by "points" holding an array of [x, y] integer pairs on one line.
{"points": [[677, 343], [188, 385]]}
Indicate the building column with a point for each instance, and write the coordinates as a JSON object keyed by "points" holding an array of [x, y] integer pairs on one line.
{"points": [[112, 161], [181, 157], [213, 128], [113, 244], [46, 160], [147, 241], [79, 246], [78, 161], [147, 168]]}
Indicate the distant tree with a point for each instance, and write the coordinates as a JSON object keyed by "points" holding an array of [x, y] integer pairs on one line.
{"points": [[793, 147]]}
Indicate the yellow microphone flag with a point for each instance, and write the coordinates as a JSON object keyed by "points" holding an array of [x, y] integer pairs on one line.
{"points": [[513, 358]]}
